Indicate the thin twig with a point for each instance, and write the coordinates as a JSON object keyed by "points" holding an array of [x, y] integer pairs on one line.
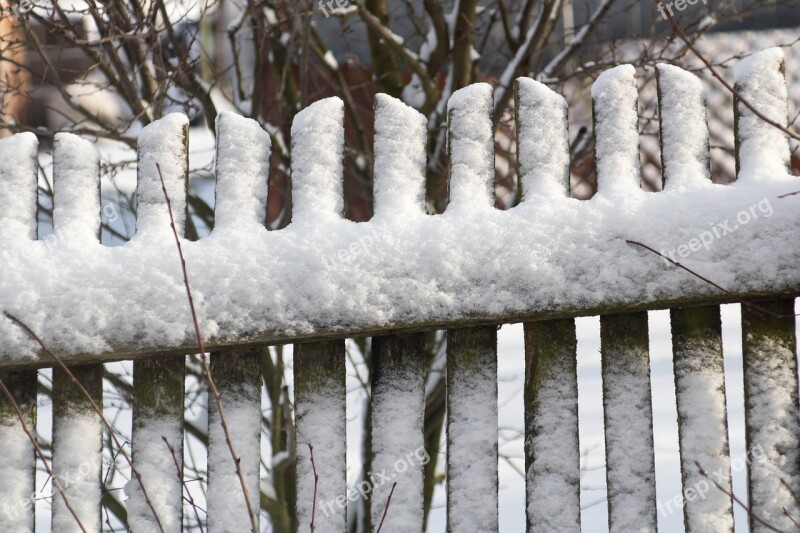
{"points": [[40, 453], [111, 431], [206, 369], [732, 496], [316, 481], [792, 492], [727, 85], [386, 509], [788, 194], [703, 278], [180, 477]]}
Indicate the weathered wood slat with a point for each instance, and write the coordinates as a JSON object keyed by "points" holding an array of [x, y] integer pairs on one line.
{"points": [[320, 405], [158, 397], [77, 448], [772, 428], [398, 443], [238, 377], [628, 415], [696, 332], [702, 418], [761, 148], [472, 429], [159, 383], [17, 454], [552, 452]]}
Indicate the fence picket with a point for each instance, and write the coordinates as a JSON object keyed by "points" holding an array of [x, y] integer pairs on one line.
{"points": [[398, 409], [696, 332], [762, 150], [77, 428], [18, 201], [158, 384], [17, 455], [616, 131], [552, 453], [628, 415], [237, 374], [472, 429], [702, 417], [320, 403], [158, 397], [77, 448], [542, 152], [772, 429]]}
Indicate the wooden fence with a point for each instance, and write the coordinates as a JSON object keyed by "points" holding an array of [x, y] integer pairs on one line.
{"points": [[543, 263]]}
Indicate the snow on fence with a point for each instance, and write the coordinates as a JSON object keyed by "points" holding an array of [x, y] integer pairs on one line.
{"points": [[324, 278]]}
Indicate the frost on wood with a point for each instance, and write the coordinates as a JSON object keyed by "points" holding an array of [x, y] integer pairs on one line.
{"points": [[325, 275], [158, 408], [769, 348], [628, 415], [472, 429], [762, 151], [17, 453], [320, 400], [398, 408], [77, 449], [702, 417], [684, 131], [552, 453], [236, 373]]}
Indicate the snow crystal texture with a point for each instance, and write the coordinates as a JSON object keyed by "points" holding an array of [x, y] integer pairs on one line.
{"points": [[324, 273]]}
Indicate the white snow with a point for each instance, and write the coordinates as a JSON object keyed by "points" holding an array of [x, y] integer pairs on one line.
{"points": [[243, 150], [16, 464], [472, 439], [543, 143], [320, 422], [18, 193], [554, 473], [401, 135], [628, 415], [76, 207], [614, 97], [546, 254], [684, 132], [227, 509], [763, 149], [773, 427], [159, 475], [317, 162], [398, 407], [700, 392], [76, 463], [471, 148]]}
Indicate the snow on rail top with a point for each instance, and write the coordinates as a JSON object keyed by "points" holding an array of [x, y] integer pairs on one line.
{"points": [[325, 275]]}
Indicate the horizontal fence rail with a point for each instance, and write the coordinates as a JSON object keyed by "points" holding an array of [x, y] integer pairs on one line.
{"points": [[550, 257], [323, 279]]}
